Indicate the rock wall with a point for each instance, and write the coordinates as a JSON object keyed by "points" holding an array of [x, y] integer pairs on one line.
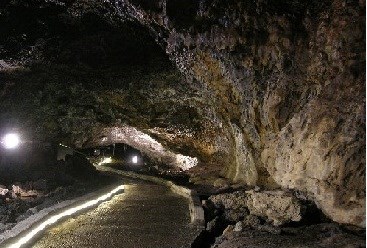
{"points": [[273, 91], [286, 80]]}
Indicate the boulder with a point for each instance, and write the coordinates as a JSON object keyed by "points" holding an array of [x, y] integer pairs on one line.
{"points": [[320, 235], [232, 204], [19, 191], [278, 207], [234, 200]]}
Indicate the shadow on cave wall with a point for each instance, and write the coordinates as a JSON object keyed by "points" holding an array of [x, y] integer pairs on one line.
{"points": [[73, 74], [64, 37]]}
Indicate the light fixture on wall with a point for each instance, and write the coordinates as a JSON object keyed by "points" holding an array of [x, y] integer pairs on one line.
{"points": [[134, 159], [11, 141]]}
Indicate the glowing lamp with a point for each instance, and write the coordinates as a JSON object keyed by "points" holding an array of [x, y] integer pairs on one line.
{"points": [[105, 161], [11, 141], [135, 160]]}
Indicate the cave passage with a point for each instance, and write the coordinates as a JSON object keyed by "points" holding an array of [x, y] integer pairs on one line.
{"points": [[145, 215], [257, 106]]}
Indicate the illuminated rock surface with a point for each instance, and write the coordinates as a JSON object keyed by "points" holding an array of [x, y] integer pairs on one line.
{"points": [[261, 92]]}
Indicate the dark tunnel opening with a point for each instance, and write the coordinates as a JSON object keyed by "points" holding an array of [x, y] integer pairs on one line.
{"points": [[122, 155]]}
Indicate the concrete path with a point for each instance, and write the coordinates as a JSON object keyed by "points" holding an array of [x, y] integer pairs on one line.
{"points": [[145, 216]]}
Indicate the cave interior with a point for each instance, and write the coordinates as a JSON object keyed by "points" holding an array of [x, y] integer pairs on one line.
{"points": [[229, 95]]}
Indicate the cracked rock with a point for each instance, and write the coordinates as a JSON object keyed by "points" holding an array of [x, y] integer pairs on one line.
{"points": [[276, 206]]}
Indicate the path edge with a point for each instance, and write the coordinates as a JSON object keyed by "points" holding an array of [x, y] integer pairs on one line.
{"points": [[195, 207], [37, 218]]}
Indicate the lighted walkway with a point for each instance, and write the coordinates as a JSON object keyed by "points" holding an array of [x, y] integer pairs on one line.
{"points": [[146, 215]]}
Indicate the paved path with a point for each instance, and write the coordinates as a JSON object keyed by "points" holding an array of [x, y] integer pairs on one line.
{"points": [[145, 216]]}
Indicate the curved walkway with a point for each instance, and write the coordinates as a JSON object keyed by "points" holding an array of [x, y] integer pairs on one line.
{"points": [[146, 215]]}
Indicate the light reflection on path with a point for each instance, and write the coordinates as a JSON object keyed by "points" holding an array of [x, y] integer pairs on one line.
{"points": [[69, 211], [146, 215]]}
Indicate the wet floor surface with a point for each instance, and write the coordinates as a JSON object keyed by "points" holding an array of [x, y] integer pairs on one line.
{"points": [[145, 215]]}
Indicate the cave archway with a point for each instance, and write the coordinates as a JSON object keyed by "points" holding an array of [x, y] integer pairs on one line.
{"points": [[89, 79]]}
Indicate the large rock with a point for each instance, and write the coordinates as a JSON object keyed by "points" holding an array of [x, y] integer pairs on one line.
{"points": [[321, 235], [276, 206], [229, 200], [233, 205]]}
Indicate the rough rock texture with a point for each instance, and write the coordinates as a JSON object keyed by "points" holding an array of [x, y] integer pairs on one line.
{"points": [[148, 146], [287, 81], [229, 200], [321, 235], [276, 206], [126, 87], [233, 205], [273, 91]]}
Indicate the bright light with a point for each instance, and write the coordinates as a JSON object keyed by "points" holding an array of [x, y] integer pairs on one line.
{"points": [[53, 219], [11, 141], [105, 161], [135, 160]]}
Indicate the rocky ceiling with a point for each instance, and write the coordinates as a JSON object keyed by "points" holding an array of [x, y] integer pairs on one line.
{"points": [[268, 93]]}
